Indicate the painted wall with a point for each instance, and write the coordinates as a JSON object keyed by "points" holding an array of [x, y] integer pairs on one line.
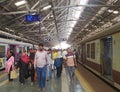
{"points": [[97, 52], [116, 51]]}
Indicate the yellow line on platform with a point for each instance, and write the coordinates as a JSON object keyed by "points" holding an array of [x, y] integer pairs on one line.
{"points": [[3, 75], [85, 84], [4, 82]]}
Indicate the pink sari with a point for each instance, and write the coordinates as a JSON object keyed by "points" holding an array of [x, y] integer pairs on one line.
{"points": [[9, 63]]}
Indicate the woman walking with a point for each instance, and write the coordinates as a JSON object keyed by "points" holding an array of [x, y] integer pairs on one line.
{"points": [[9, 65], [23, 67]]}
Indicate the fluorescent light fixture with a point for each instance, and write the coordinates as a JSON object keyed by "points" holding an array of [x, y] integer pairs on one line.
{"points": [[11, 30], [37, 23], [115, 12], [20, 3], [109, 37], [110, 11], [7, 28], [47, 7], [51, 16], [43, 28]]}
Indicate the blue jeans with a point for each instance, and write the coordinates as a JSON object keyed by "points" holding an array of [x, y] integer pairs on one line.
{"points": [[71, 71], [41, 76]]}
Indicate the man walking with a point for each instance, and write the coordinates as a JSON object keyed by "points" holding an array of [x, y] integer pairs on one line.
{"points": [[40, 64], [71, 63]]}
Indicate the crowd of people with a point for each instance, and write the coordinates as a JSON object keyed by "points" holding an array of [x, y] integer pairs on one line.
{"points": [[39, 64]]}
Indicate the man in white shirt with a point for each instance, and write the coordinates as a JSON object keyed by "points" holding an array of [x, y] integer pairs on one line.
{"points": [[40, 64]]}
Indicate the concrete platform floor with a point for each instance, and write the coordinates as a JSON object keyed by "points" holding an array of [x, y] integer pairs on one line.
{"points": [[53, 85]]}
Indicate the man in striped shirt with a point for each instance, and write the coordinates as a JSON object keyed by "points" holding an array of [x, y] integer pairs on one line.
{"points": [[71, 63]]}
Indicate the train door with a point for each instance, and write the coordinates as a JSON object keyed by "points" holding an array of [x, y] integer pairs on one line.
{"points": [[20, 49], [28, 48], [13, 48], [107, 57], [24, 48]]}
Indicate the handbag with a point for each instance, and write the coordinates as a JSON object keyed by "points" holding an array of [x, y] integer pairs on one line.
{"points": [[57, 62], [13, 74]]}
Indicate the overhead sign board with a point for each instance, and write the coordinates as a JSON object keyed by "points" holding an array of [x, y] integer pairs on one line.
{"points": [[32, 18]]}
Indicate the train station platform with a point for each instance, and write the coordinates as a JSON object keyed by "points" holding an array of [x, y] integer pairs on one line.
{"points": [[84, 81]]}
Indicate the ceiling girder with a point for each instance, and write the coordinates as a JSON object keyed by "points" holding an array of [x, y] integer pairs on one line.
{"points": [[61, 13], [18, 12], [87, 5]]}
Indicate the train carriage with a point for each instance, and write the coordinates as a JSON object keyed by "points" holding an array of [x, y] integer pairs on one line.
{"points": [[100, 54], [15, 46]]}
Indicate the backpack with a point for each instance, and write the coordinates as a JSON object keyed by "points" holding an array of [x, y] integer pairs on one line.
{"points": [[57, 62]]}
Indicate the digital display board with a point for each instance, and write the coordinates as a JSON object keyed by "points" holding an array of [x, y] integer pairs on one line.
{"points": [[32, 18]]}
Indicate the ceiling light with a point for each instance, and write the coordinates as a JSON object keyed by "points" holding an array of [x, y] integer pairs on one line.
{"points": [[11, 30], [115, 12], [110, 11], [20, 3], [87, 29], [69, 33], [99, 20], [37, 23], [47, 7], [51, 16], [43, 28], [7, 28]]}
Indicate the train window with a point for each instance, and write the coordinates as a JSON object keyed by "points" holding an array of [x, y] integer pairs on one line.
{"points": [[88, 50], [93, 50], [2, 51]]}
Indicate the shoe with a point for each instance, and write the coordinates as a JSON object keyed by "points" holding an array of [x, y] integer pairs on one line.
{"points": [[71, 81], [22, 84], [47, 79], [32, 83]]}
